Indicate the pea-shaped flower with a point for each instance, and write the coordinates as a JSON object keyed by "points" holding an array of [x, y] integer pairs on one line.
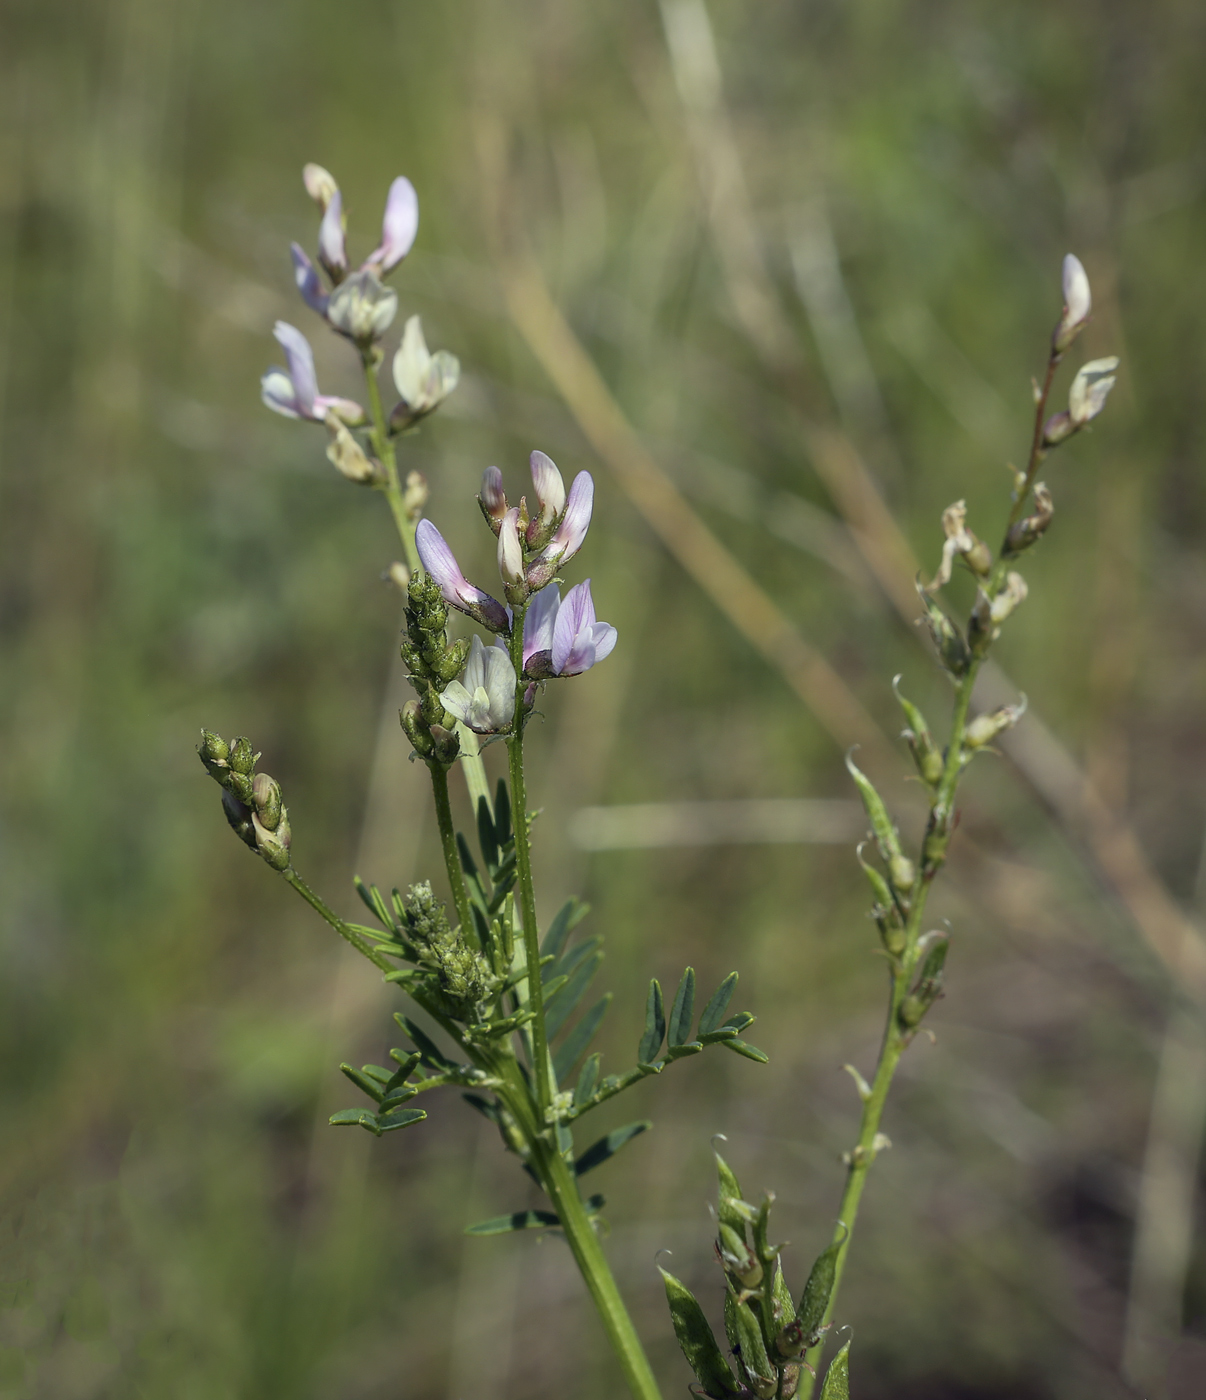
{"points": [[561, 637], [484, 698], [294, 392]]}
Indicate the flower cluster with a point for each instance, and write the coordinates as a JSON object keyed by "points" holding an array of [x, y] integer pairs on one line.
{"points": [[361, 308], [560, 636]]}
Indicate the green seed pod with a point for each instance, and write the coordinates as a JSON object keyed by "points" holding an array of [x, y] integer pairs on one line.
{"points": [[926, 754], [903, 874], [815, 1298], [952, 649], [732, 1210], [695, 1337], [886, 839], [837, 1378], [745, 1337]]}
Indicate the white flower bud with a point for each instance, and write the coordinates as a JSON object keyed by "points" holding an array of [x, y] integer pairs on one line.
{"points": [[1078, 303], [1090, 389]]}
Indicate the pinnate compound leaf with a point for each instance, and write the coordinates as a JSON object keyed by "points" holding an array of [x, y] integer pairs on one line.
{"points": [[741, 1047], [712, 1014], [683, 1010], [579, 1038], [695, 1337], [517, 1220], [598, 1152], [837, 1378], [655, 1024]]}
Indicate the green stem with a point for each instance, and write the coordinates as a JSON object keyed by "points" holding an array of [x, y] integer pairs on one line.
{"points": [[383, 446], [452, 857], [541, 1066], [562, 1186], [895, 1039], [361, 945]]}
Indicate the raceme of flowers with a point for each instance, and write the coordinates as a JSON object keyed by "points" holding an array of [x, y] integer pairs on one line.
{"points": [[561, 636]]}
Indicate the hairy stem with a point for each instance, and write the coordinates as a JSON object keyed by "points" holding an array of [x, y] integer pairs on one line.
{"points": [[452, 857], [541, 1068], [361, 945]]}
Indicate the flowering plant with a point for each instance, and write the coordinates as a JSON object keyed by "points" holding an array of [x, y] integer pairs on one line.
{"points": [[504, 991]]}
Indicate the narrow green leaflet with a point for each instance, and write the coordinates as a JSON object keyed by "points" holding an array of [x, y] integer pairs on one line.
{"points": [[572, 912], [372, 897], [487, 838], [683, 1010], [741, 1047], [518, 1220], [713, 1013], [696, 1339], [559, 1008], [587, 1079], [837, 1378], [579, 1038], [354, 1118], [363, 1081], [429, 1052], [598, 1152], [400, 1118], [655, 1025], [502, 815]]}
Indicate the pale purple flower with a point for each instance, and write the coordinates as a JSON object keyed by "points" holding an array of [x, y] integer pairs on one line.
{"points": [[484, 698], [510, 551], [332, 250], [294, 392], [361, 308], [309, 284], [550, 492], [440, 563], [398, 228], [424, 380], [569, 534], [561, 637], [320, 184]]}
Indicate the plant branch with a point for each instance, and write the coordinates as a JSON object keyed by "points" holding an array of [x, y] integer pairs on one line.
{"points": [[345, 931], [452, 857]]}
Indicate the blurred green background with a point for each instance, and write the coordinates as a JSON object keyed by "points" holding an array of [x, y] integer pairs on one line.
{"points": [[879, 194]]}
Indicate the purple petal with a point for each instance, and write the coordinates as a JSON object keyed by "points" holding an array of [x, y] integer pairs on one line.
{"points": [[539, 622], [399, 226], [567, 540], [300, 359], [440, 562], [550, 489], [574, 619], [308, 282], [348, 411], [331, 248]]}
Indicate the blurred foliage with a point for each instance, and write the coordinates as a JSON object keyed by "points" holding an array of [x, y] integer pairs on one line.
{"points": [[178, 1219]]}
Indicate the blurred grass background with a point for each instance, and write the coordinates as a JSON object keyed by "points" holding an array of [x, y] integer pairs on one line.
{"points": [[177, 1218]]}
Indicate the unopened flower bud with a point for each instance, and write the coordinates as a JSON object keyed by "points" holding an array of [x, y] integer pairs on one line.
{"points": [[550, 496], [347, 456], [985, 728], [1078, 303], [399, 575], [273, 844], [1030, 529], [1058, 428], [214, 752], [239, 818], [267, 794], [492, 498], [903, 874], [242, 756], [510, 558], [362, 308], [320, 185], [416, 729]]}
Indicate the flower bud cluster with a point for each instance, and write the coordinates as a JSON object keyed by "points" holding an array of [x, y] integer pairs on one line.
{"points": [[251, 801], [432, 662], [463, 976]]}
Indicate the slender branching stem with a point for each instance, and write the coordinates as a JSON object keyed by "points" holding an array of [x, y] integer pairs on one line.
{"points": [[345, 931], [896, 1037]]}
